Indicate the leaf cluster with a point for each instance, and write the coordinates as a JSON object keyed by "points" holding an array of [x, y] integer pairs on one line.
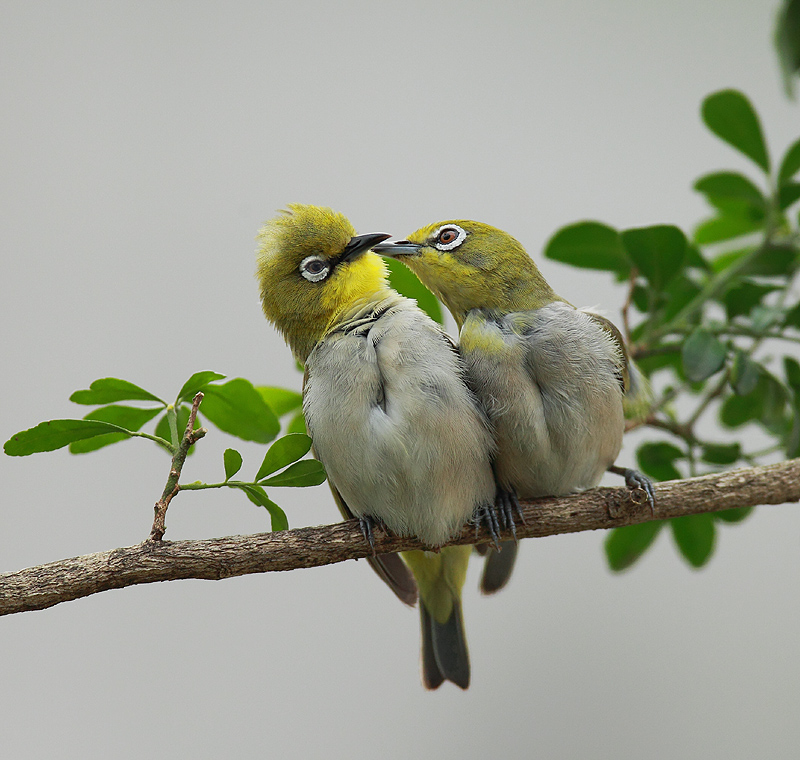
{"points": [[706, 315], [236, 407]]}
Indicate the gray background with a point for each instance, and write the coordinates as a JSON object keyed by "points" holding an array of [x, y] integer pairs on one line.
{"points": [[142, 145]]}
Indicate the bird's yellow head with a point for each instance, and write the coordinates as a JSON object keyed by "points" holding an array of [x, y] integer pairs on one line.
{"points": [[471, 265], [312, 267]]}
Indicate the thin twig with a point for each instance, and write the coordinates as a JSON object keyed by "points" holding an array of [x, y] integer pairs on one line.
{"points": [[190, 437]]}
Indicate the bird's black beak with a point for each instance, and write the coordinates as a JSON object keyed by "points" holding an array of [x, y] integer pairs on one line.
{"points": [[397, 249], [361, 244]]}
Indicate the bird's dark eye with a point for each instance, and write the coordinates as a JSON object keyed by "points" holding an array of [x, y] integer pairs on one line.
{"points": [[314, 268], [449, 237]]}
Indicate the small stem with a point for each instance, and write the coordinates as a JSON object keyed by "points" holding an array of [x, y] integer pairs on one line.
{"points": [[160, 441], [643, 352], [190, 437], [677, 429], [692, 459], [763, 452], [710, 396], [199, 486]]}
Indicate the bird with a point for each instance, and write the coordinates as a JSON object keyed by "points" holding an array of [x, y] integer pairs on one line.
{"points": [[553, 379], [402, 437]]}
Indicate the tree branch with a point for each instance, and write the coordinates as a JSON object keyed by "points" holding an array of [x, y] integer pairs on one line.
{"points": [[40, 587]]}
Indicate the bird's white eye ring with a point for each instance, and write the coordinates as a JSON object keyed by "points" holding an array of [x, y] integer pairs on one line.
{"points": [[314, 269], [448, 237]]}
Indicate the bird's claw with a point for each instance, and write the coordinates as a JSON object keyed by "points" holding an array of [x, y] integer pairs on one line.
{"points": [[507, 505], [641, 489], [487, 515], [367, 525]]}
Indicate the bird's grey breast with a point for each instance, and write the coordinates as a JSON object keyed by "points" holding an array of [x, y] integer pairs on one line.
{"points": [[392, 419], [549, 379]]}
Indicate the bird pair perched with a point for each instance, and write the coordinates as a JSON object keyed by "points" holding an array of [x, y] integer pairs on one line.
{"points": [[420, 435]]}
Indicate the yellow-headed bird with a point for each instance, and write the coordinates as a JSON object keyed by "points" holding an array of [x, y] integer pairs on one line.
{"points": [[401, 436], [551, 377]]}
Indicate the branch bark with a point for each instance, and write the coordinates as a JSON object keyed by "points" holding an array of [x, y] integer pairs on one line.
{"points": [[43, 586]]}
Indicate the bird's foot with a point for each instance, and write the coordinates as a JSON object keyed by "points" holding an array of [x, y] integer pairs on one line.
{"points": [[639, 485], [487, 514], [507, 506], [367, 523]]}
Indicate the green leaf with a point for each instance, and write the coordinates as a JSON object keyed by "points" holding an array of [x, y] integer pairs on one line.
{"points": [[731, 117], [728, 258], [404, 281], [788, 195], [307, 472], [298, 423], [652, 364], [657, 460], [774, 261], [232, 460], [658, 252], [237, 408], [790, 164], [745, 374], [128, 417], [107, 390], [280, 400], [284, 451], [625, 545], [641, 298], [725, 228], [764, 317], [55, 434], [775, 399], [791, 442], [792, 318], [591, 245], [792, 369], [694, 258], [733, 515], [742, 297], [694, 535], [721, 453], [259, 497], [765, 405], [736, 411], [724, 188], [787, 42], [677, 294], [196, 383], [703, 355], [98, 442]]}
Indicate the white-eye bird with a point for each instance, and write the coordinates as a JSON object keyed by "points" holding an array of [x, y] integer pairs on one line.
{"points": [[402, 437], [552, 378]]}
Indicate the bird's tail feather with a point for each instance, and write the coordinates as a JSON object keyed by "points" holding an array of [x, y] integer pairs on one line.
{"points": [[444, 649], [498, 566]]}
